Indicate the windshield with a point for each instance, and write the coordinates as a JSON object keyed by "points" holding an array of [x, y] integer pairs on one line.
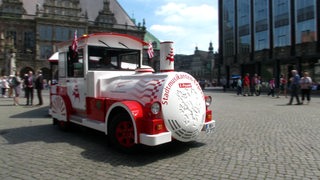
{"points": [[106, 58]]}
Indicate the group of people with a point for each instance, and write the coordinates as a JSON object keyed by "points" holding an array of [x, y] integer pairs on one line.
{"points": [[28, 83], [296, 84], [249, 86], [303, 84]]}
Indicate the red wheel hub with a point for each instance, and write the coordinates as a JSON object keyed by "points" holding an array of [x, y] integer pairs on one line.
{"points": [[125, 134]]}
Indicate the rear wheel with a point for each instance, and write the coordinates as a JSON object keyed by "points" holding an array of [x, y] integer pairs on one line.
{"points": [[122, 133], [63, 125]]}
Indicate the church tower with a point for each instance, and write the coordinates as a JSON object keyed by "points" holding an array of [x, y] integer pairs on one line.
{"points": [[210, 48]]}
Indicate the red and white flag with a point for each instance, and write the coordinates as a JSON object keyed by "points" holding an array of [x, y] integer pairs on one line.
{"points": [[74, 45], [150, 50]]}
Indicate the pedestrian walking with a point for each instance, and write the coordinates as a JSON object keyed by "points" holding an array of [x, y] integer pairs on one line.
{"points": [[294, 87], [39, 86], [272, 86], [239, 86], [282, 86], [257, 84], [246, 85], [29, 85], [253, 84], [224, 84], [16, 85], [306, 85]]}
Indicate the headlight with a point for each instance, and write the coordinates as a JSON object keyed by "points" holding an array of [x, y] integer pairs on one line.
{"points": [[208, 100], [155, 108]]}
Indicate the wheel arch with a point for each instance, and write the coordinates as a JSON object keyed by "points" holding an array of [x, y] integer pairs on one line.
{"points": [[132, 108], [68, 107]]}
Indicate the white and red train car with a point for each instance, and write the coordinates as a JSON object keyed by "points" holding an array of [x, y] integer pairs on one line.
{"points": [[125, 99]]}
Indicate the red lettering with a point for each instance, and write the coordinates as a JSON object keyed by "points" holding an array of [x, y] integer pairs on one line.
{"points": [[185, 85], [164, 102]]}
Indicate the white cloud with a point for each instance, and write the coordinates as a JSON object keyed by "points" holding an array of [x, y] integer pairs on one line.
{"points": [[181, 13], [170, 29], [187, 24]]}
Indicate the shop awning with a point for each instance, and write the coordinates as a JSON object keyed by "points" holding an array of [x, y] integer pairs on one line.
{"points": [[54, 57]]}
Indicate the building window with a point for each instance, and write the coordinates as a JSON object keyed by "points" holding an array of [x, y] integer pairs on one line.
{"points": [[64, 34], [262, 40], [45, 32], [281, 36], [282, 40], [244, 12], [281, 6], [229, 47], [261, 44], [281, 20], [45, 51], [302, 4], [261, 25], [244, 31], [306, 29], [261, 8], [13, 36], [228, 28], [244, 44], [306, 32], [58, 34], [29, 41], [281, 23]]}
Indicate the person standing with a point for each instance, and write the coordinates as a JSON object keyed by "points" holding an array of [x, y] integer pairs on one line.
{"points": [[1, 85], [306, 84], [294, 85], [272, 85], [24, 85], [239, 86], [29, 85], [39, 86], [246, 85], [253, 84], [257, 84], [10, 90], [282, 86], [5, 86], [16, 81]]}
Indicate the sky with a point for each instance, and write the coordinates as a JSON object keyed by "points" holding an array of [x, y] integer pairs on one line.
{"points": [[188, 23]]}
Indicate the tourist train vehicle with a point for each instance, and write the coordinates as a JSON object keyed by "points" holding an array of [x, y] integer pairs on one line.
{"points": [[103, 85]]}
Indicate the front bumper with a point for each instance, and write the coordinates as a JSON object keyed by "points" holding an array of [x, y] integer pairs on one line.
{"points": [[209, 126], [155, 139]]}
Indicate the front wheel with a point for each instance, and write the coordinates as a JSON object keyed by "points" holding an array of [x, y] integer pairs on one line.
{"points": [[122, 133], [63, 126]]}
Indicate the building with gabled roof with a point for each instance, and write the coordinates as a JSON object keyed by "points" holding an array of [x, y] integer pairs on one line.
{"points": [[200, 64], [30, 29]]}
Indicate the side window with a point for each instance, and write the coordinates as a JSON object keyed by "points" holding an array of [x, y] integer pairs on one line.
{"points": [[75, 63], [61, 65], [78, 66]]}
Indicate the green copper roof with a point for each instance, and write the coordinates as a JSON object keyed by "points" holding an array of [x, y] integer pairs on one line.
{"points": [[148, 37]]}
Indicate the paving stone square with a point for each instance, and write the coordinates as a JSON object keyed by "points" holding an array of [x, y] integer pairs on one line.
{"points": [[256, 137]]}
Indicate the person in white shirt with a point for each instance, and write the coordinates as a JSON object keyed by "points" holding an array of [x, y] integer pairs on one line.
{"points": [[4, 85], [305, 85]]}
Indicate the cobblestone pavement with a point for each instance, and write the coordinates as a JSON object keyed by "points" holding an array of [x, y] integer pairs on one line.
{"points": [[256, 138]]}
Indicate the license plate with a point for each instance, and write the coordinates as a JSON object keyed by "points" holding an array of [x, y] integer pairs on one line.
{"points": [[210, 127]]}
